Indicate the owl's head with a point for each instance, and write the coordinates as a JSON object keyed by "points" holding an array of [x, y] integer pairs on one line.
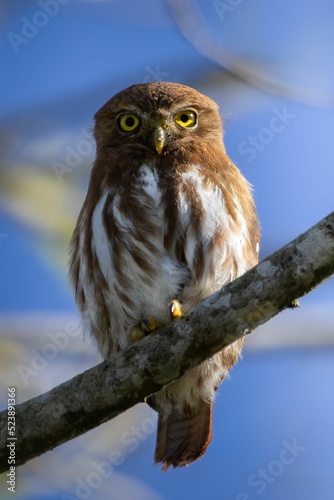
{"points": [[157, 118]]}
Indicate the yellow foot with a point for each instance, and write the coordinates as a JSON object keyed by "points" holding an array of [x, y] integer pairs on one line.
{"points": [[175, 308], [145, 327], [150, 325], [136, 333]]}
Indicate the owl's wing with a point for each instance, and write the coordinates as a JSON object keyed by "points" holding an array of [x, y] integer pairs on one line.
{"points": [[212, 229]]}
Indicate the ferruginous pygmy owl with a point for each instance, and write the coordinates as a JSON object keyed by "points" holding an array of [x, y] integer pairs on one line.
{"points": [[168, 220]]}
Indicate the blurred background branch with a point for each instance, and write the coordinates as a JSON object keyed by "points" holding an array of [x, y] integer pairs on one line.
{"points": [[255, 71]]}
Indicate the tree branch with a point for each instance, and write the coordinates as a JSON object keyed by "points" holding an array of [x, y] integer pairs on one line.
{"points": [[108, 389]]}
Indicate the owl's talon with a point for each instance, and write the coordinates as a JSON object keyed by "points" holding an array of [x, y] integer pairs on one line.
{"points": [[175, 309], [150, 325], [137, 333], [145, 327]]}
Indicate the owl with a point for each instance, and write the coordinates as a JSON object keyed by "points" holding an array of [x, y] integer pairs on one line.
{"points": [[168, 220]]}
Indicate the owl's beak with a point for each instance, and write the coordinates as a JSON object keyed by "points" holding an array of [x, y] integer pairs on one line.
{"points": [[159, 138]]}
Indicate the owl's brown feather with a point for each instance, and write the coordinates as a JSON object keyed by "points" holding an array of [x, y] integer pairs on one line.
{"points": [[182, 439], [177, 222]]}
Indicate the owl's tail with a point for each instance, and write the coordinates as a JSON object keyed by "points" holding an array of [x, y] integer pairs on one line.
{"points": [[183, 439]]}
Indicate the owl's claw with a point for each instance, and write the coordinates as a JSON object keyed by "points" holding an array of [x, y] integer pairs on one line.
{"points": [[150, 325], [145, 327], [175, 309], [136, 333]]}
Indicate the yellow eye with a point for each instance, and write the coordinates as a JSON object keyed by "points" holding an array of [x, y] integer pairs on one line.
{"points": [[186, 118], [128, 122]]}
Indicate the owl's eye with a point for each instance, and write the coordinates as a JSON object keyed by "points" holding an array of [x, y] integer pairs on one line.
{"points": [[128, 122], [186, 118]]}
